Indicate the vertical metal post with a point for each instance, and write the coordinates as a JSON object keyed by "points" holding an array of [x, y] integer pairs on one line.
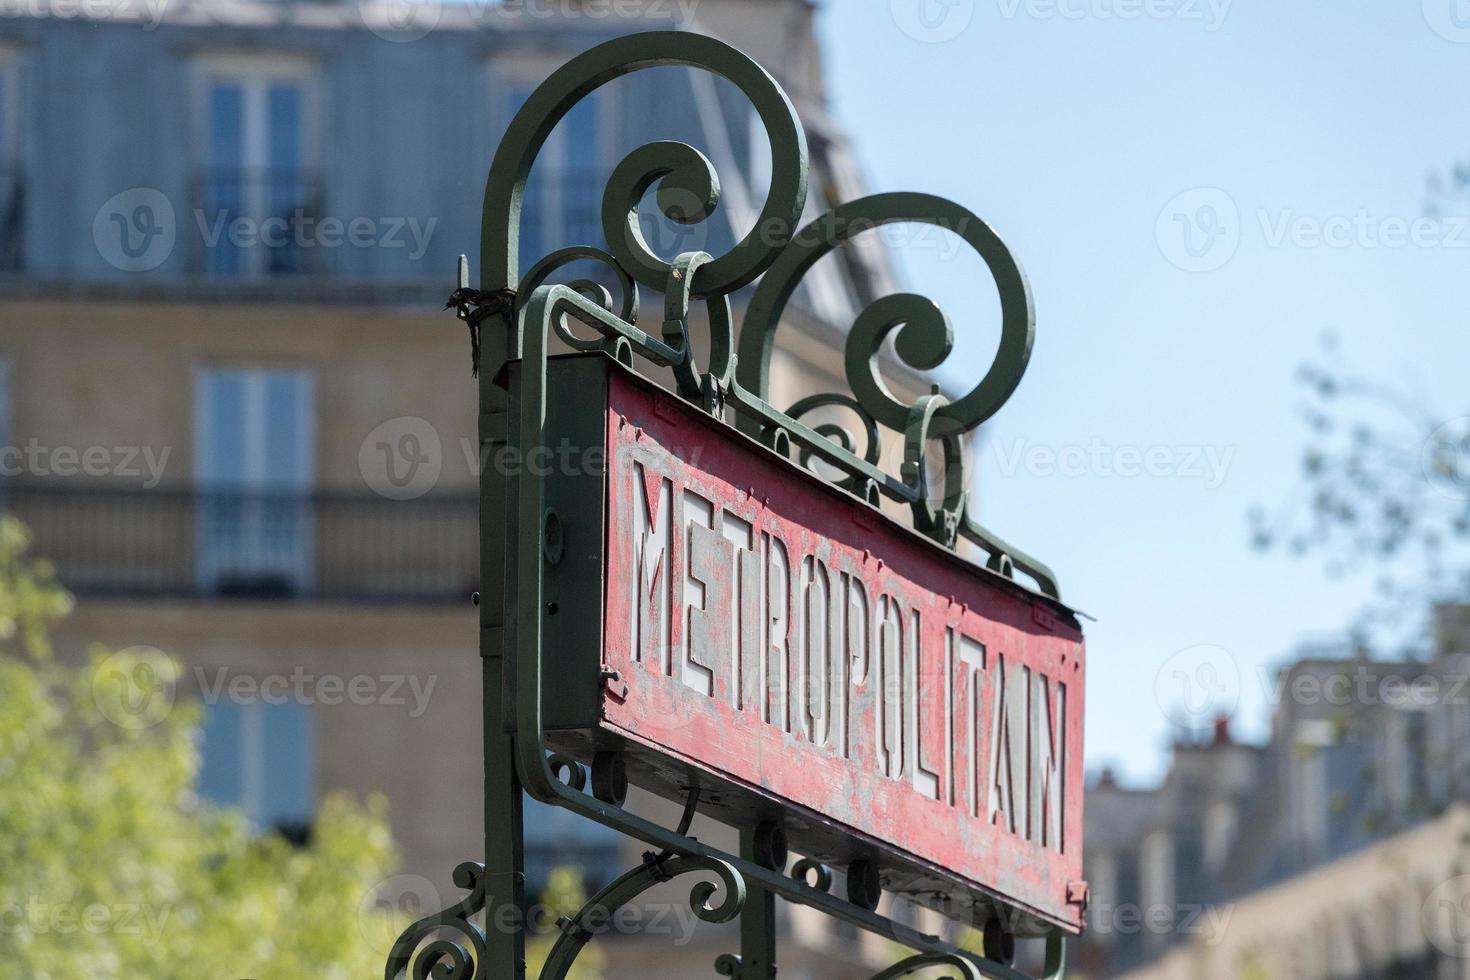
{"points": [[757, 921], [505, 879]]}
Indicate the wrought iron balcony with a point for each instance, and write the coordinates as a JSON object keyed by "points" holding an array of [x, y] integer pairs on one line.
{"points": [[257, 223], [166, 542]]}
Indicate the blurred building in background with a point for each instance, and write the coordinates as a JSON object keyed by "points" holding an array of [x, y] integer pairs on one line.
{"points": [[235, 415], [1324, 853]]}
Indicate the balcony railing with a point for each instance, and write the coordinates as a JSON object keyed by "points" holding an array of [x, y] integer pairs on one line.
{"points": [[12, 219], [257, 223], [257, 545]]}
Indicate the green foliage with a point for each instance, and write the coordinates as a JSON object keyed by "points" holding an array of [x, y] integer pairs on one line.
{"points": [[564, 896], [110, 866]]}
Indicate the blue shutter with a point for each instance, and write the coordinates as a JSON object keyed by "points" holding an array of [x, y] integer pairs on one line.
{"points": [[221, 759], [224, 179], [286, 191], [286, 754]]}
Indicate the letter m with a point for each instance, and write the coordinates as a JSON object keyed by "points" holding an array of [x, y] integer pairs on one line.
{"points": [[652, 545], [1049, 757]]}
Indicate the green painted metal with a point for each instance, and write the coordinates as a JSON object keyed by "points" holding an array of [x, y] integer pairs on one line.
{"points": [[520, 536]]}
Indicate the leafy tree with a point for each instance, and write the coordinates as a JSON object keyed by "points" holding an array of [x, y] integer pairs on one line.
{"points": [[1385, 476], [110, 866], [1385, 487]]}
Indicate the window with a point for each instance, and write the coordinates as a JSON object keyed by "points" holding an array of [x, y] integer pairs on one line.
{"points": [[12, 182], [563, 202], [254, 459], [258, 194], [258, 756]]}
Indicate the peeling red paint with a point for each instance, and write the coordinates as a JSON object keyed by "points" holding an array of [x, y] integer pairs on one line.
{"points": [[788, 637]]}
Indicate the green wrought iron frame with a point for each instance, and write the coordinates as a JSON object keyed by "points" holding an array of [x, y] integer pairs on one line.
{"points": [[515, 531]]}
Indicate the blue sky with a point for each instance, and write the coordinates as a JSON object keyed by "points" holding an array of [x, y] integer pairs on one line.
{"points": [[1093, 134]]}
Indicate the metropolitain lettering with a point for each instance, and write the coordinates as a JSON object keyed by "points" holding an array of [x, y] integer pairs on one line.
{"points": [[828, 645]]}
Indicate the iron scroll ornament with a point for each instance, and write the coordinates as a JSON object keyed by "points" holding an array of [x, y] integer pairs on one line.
{"points": [[688, 192], [731, 380]]}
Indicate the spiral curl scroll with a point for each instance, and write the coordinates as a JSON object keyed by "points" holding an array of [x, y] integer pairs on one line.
{"points": [[925, 339], [595, 916], [688, 187], [421, 952], [688, 192]]}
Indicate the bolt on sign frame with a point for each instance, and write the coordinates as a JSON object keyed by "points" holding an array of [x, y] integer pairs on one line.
{"points": [[720, 613]]}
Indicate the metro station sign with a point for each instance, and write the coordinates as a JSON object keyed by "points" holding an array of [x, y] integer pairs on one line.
{"points": [[730, 621]]}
